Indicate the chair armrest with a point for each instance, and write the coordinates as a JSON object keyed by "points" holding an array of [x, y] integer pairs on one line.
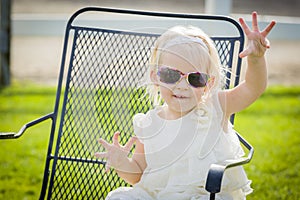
{"points": [[13, 135], [216, 171]]}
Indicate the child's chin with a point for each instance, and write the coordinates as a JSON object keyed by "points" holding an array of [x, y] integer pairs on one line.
{"points": [[185, 110], [185, 105]]}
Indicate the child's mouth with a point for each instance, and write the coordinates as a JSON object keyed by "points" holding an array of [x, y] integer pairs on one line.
{"points": [[179, 96]]}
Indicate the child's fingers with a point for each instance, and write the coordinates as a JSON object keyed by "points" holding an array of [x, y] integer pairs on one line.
{"points": [[107, 166], [104, 143], [267, 30], [129, 144], [265, 43], [244, 26], [101, 155], [245, 53], [116, 138], [104, 155], [254, 22]]}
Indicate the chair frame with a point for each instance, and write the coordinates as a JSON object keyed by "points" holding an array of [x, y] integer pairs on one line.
{"points": [[216, 171]]}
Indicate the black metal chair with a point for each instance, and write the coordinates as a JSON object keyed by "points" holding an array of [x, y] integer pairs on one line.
{"points": [[100, 95]]}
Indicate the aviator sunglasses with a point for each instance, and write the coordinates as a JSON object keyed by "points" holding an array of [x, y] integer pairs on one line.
{"points": [[171, 76]]}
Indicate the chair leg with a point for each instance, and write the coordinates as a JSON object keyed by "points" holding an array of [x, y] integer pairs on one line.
{"points": [[212, 196]]}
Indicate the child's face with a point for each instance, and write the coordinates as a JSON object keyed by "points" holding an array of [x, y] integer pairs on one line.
{"points": [[180, 97]]}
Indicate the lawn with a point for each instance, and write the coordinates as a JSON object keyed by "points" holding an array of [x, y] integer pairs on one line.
{"points": [[270, 125]]}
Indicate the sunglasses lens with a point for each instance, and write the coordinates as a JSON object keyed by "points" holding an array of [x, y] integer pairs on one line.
{"points": [[168, 75], [197, 79], [171, 76]]}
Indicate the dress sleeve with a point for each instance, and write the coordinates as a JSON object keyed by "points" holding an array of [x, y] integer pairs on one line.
{"points": [[140, 123]]}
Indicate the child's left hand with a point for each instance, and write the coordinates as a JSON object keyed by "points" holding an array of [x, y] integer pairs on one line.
{"points": [[116, 154], [257, 41]]}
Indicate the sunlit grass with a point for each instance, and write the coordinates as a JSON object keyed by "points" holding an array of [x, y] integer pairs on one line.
{"points": [[270, 125], [22, 160]]}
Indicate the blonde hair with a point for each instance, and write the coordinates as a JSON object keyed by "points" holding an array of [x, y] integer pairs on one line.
{"points": [[202, 52]]}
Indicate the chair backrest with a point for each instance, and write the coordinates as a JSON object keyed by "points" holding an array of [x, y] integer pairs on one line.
{"points": [[101, 94]]}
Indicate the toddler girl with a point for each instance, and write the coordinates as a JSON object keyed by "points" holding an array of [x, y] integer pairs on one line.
{"points": [[176, 143]]}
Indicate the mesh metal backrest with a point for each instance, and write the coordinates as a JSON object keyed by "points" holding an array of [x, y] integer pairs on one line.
{"points": [[101, 96]]}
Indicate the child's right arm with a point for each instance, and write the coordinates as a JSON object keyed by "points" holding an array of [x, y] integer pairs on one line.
{"points": [[129, 169], [243, 95]]}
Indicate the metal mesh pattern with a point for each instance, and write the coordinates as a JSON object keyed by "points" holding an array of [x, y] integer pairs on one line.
{"points": [[104, 74], [224, 48], [101, 97]]}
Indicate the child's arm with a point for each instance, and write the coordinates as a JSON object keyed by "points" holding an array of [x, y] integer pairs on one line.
{"points": [[240, 97], [129, 169]]}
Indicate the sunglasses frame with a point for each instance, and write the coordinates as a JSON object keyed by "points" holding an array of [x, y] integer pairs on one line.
{"points": [[183, 75]]}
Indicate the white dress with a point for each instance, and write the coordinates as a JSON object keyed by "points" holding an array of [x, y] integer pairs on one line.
{"points": [[179, 153]]}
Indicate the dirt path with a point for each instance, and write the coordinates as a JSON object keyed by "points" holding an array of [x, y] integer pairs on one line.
{"points": [[284, 62]]}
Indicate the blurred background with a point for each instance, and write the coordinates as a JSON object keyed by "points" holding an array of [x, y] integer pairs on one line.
{"points": [[37, 28]]}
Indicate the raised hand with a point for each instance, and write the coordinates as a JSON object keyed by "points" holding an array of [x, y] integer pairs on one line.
{"points": [[257, 41], [115, 154]]}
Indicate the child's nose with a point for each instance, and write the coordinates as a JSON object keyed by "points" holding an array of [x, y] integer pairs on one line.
{"points": [[182, 83]]}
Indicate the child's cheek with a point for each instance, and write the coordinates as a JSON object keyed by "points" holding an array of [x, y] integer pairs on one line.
{"points": [[198, 93]]}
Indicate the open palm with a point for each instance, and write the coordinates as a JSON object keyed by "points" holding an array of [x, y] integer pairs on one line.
{"points": [[257, 41]]}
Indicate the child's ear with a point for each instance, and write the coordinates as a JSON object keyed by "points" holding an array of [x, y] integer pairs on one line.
{"points": [[153, 77], [210, 83]]}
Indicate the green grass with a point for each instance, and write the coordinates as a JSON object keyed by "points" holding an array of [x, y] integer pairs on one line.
{"points": [[22, 160], [270, 125]]}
